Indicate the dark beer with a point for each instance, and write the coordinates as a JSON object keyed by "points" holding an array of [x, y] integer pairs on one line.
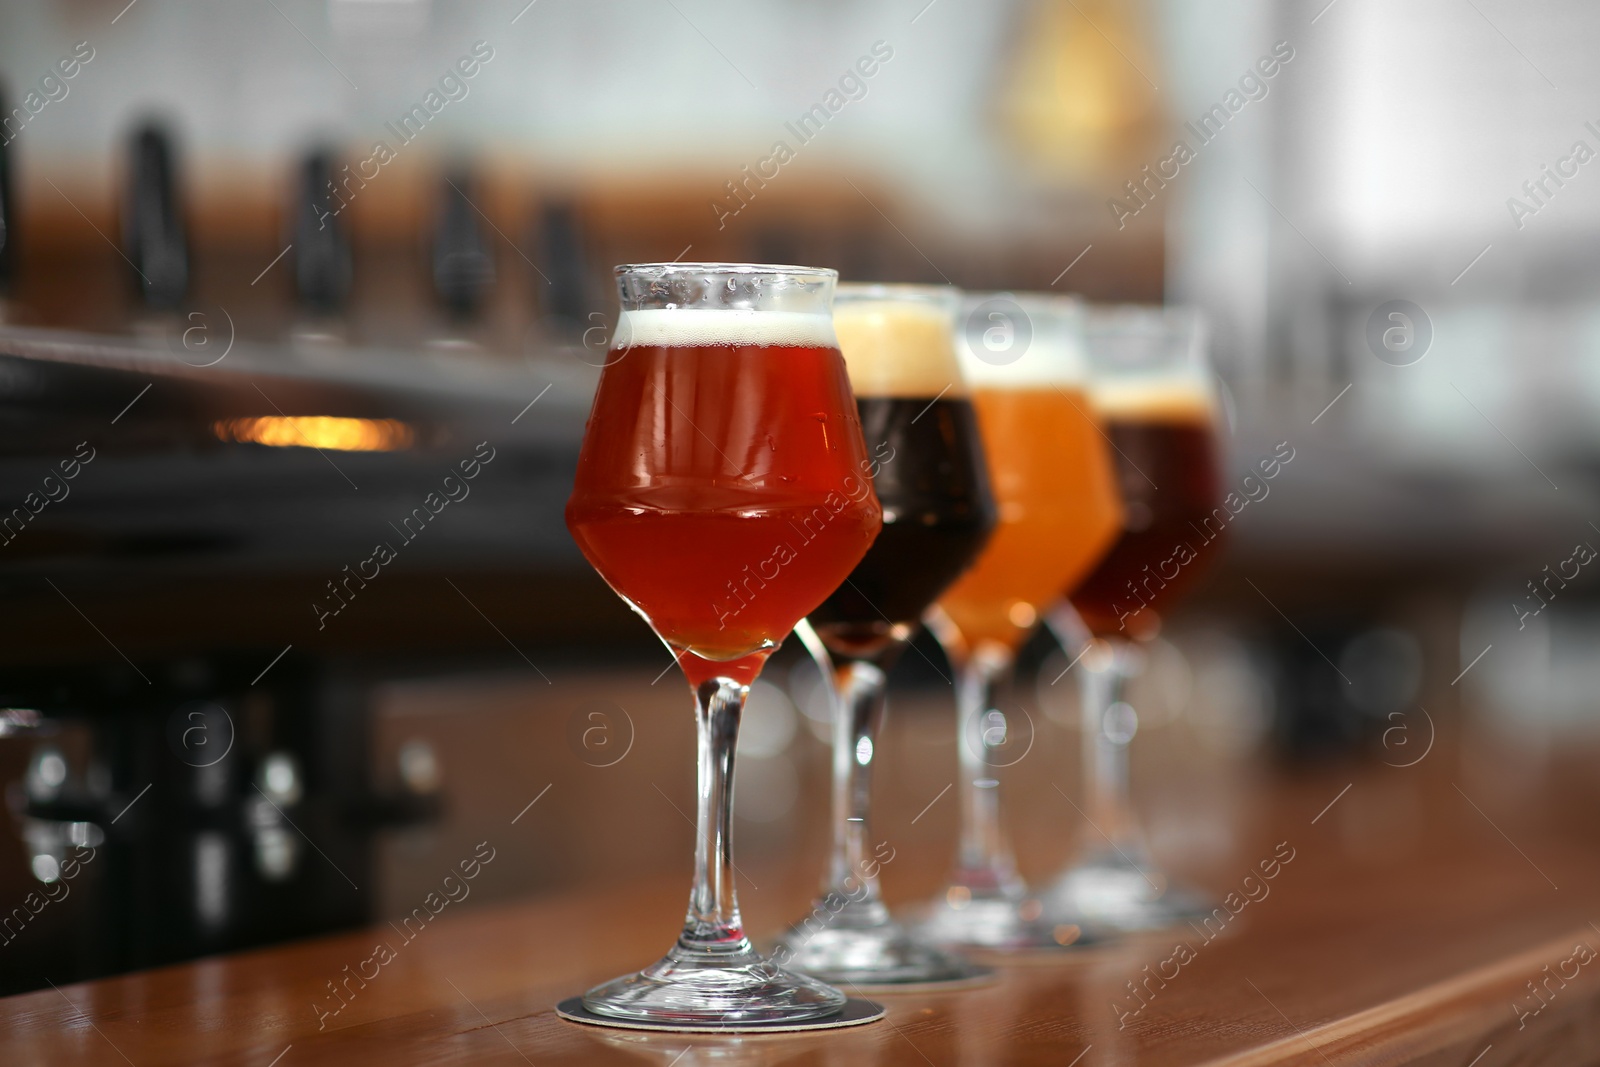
{"points": [[926, 463], [929, 476], [1168, 474], [928, 472]]}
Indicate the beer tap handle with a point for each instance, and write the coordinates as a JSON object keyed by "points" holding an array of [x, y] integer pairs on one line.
{"points": [[152, 225], [565, 295], [322, 260], [463, 269], [8, 210]]}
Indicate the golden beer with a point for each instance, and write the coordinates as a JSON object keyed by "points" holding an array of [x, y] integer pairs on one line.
{"points": [[1051, 474]]}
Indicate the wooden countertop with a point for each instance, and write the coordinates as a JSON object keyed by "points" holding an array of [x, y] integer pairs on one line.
{"points": [[1416, 954]]}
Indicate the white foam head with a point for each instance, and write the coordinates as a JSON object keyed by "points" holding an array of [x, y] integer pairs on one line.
{"points": [[1149, 363], [1173, 399], [1021, 341], [896, 341], [684, 327]]}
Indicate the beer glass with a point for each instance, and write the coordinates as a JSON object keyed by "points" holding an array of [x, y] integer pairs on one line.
{"points": [[929, 475], [723, 491], [1152, 385], [1053, 482]]}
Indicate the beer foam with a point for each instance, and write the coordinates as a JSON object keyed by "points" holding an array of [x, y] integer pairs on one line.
{"points": [[685, 327], [1165, 399], [898, 348], [1047, 360], [1008, 341]]}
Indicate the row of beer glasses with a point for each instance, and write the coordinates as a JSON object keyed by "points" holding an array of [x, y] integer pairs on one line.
{"points": [[968, 460]]}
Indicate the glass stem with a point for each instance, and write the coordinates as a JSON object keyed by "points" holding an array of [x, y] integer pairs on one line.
{"points": [[985, 864], [712, 926], [1109, 724], [858, 702], [860, 688]]}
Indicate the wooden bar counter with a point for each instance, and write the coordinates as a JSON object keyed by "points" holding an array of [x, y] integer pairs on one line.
{"points": [[1429, 963], [1431, 914]]}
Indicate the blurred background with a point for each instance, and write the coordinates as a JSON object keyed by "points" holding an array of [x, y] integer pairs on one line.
{"points": [[275, 273]]}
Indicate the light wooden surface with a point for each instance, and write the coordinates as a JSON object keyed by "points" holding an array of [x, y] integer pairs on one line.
{"points": [[1417, 956]]}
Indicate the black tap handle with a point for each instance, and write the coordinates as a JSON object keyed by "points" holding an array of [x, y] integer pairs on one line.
{"points": [[152, 226], [567, 295], [322, 261], [8, 208], [463, 269]]}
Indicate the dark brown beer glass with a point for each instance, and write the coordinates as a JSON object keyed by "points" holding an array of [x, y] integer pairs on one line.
{"points": [[928, 470], [1152, 386]]}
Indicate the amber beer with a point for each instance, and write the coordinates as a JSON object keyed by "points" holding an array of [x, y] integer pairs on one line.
{"points": [[1168, 473], [1051, 474], [723, 489]]}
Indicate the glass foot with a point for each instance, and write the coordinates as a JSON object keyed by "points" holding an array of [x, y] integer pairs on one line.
{"points": [[697, 987], [1117, 895], [999, 921], [867, 950]]}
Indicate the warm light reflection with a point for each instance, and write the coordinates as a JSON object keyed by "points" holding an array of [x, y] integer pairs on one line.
{"points": [[1079, 101], [318, 431]]}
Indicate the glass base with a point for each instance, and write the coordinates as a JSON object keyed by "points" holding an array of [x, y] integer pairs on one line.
{"points": [[1115, 894], [691, 985], [864, 948], [1000, 921]]}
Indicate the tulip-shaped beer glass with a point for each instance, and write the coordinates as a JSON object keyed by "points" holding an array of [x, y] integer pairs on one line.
{"points": [[1152, 385], [724, 491], [928, 470], [1051, 474]]}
